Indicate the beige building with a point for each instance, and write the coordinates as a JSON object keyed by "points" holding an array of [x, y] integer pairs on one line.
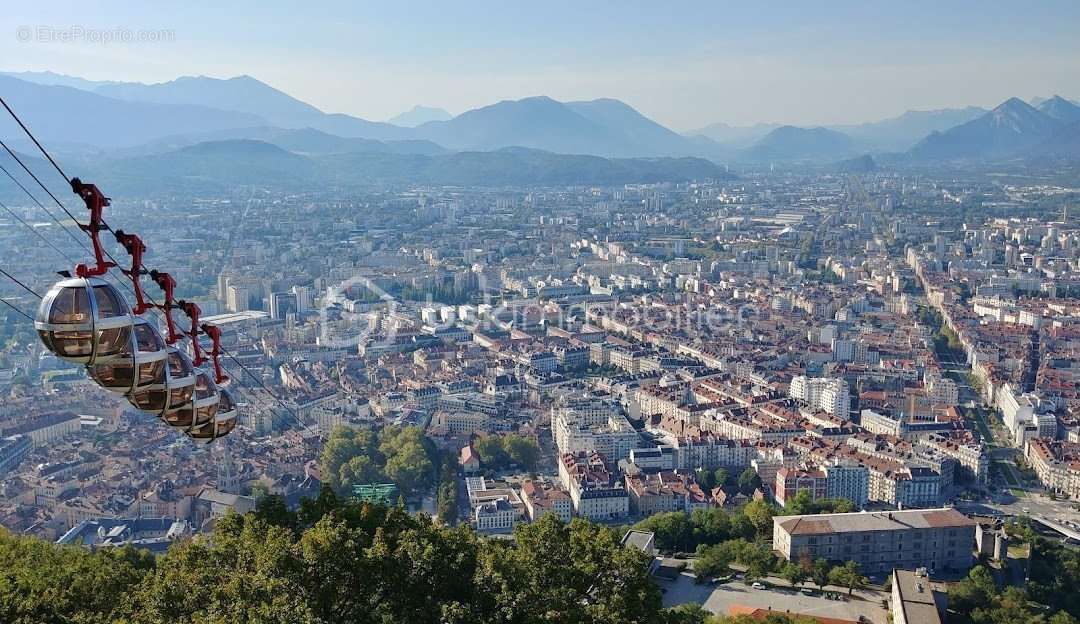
{"points": [[936, 539], [543, 498]]}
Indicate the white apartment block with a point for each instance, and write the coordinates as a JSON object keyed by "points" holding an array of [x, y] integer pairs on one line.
{"points": [[593, 431], [823, 393]]}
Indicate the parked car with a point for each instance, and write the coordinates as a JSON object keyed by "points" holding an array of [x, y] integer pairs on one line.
{"points": [[757, 585]]}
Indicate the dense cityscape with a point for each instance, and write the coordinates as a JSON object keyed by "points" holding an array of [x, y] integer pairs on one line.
{"points": [[885, 339], [542, 361]]}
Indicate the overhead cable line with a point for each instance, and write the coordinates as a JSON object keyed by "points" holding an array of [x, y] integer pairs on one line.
{"points": [[5, 302], [16, 280], [107, 227]]}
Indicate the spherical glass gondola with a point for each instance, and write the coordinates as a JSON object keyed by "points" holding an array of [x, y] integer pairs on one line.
{"points": [[223, 423], [84, 320], [140, 366], [173, 392], [202, 407]]}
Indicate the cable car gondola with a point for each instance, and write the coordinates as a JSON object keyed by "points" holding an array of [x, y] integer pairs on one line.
{"points": [[223, 423], [84, 320], [202, 407], [141, 365], [174, 390]]}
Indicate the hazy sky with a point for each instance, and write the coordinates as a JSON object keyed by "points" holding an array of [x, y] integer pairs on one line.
{"points": [[683, 64]]}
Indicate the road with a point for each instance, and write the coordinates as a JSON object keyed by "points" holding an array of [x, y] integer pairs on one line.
{"points": [[1023, 503], [779, 597]]}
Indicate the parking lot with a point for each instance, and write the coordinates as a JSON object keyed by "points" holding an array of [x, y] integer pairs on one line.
{"points": [[720, 598]]}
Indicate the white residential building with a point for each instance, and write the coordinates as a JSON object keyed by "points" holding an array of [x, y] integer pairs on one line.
{"points": [[823, 393]]}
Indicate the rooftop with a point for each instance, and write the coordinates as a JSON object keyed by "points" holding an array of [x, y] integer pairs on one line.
{"points": [[818, 524]]}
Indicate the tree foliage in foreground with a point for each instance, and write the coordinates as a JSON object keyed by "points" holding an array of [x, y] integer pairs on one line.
{"points": [[337, 562]]}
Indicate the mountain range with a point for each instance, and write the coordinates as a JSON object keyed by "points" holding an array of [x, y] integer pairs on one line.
{"points": [[125, 119], [1013, 128], [212, 165]]}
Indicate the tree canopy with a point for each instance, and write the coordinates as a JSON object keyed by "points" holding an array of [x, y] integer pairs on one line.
{"points": [[354, 456], [501, 451], [337, 561]]}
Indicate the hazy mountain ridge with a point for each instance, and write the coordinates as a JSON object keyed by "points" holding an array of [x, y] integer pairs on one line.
{"points": [[53, 79], [418, 115], [734, 136], [249, 95], [904, 131], [1007, 130], [222, 164], [304, 141], [794, 143], [140, 118], [603, 127], [66, 115], [1060, 109]]}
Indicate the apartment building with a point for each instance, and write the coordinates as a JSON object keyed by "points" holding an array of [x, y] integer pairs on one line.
{"points": [[828, 395], [936, 539], [664, 491], [605, 431], [790, 481], [596, 493], [1057, 464], [542, 498]]}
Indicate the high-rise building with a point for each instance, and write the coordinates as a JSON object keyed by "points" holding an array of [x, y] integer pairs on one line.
{"points": [[303, 299], [282, 304], [237, 298]]}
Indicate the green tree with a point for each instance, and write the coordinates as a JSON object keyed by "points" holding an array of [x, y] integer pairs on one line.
{"points": [[793, 573], [758, 559], [712, 525], [848, 575], [749, 481], [491, 451], [674, 530], [1061, 617], [41, 582], [976, 590], [760, 515], [359, 470], [819, 573], [799, 504], [345, 445], [705, 478], [689, 613], [522, 451], [272, 510], [409, 465], [713, 561], [447, 502]]}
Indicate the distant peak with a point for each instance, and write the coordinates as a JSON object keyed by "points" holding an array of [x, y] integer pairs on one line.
{"points": [[1013, 103]]}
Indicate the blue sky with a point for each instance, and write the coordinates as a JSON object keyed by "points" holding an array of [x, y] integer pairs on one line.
{"points": [[684, 64]]}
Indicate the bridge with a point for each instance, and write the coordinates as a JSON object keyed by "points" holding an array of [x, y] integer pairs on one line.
{"points": [[1057, 527]]}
